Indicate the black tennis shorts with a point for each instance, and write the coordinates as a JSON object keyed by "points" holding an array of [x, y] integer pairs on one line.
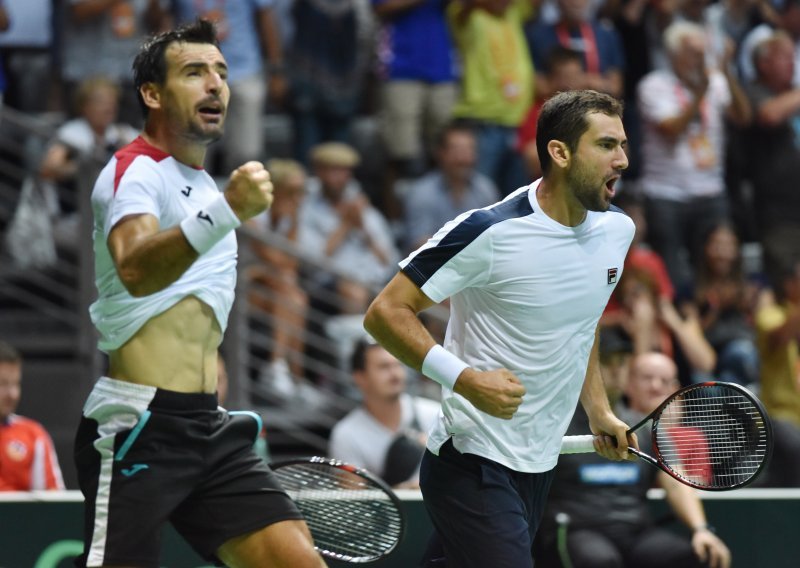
{"points": [[148, 456]]}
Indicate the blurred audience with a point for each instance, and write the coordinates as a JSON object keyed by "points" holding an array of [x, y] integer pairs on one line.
{"points": [[598, 515], [652, 323], [774, 151], [497, 81], [454, 187], [386, 434], [418, 82], [787, 19], [28, 459], [327, 62], [778, 329], [5, 22], [597, 41], [250, 41], [683, 111], [88, 140], [563, 71], [101, 37], [338, 224], [277, 291], [725, 300]]}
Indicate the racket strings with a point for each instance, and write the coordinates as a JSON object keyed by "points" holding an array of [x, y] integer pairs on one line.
{"points": [[350, 517], [712, 436]]}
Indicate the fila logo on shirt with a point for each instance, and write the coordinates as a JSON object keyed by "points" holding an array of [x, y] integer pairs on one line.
{"points": [[612, 275]]}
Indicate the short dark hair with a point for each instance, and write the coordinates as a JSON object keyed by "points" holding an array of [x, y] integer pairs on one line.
{"points": [[8, 354], [457, 125], [358, 359], [150, 66], [560, 55], [563, 117]]}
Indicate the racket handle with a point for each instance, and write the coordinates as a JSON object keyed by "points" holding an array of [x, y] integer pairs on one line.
{"points": [[577, 444]]}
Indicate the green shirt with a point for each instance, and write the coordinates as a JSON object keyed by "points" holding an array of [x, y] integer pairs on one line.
{"points": [[497, 81]]}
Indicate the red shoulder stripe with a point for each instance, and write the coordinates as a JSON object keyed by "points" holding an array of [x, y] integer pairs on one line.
{"points": [[127, 154]]}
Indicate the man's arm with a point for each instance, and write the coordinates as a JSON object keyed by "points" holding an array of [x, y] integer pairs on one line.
{"points": [[392, 320], [686, 505], [269, 34], [149, 259], [611, 440]]}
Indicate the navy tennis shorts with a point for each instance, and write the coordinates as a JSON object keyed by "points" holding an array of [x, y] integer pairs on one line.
{"points": [[484, 513], [148, 456]]}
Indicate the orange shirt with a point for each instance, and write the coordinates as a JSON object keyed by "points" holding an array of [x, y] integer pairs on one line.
{"points": [[27, 457]]}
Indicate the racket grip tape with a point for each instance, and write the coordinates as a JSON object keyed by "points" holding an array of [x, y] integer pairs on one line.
{"points": [[577, 444]]}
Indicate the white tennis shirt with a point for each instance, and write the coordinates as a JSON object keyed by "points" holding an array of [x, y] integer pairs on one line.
{"points": [[141, 179], [526, 294]]}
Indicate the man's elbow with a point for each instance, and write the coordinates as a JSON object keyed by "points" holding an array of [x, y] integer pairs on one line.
{"points": [[373, 317], [134, 282]]}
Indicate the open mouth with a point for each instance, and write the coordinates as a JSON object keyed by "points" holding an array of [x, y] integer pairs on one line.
{"points": [[610, 184], [213, 111]]}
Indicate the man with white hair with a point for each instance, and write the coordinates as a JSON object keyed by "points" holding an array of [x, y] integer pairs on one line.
{"points": [[683, 111]]}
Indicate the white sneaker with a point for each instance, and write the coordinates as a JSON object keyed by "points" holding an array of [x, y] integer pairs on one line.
{"points": [[276, 377]]}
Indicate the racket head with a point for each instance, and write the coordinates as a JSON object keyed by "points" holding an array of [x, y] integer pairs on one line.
{"points": [[714, 436], [353, 515]]}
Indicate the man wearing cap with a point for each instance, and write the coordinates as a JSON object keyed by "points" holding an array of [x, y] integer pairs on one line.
{"points": [[338, 223]]}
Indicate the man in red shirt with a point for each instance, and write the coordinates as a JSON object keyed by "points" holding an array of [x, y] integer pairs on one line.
{"points": [[27, 458]]}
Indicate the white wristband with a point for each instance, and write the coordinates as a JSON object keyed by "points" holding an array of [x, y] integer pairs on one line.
{"points": [[209, 225], [442, 366]]}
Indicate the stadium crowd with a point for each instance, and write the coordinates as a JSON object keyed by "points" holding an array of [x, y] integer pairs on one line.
{"points": [[453, 89]]}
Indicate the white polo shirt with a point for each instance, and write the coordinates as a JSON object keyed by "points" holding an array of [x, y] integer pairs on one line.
{"points": [[526, 294], [141, 179]]}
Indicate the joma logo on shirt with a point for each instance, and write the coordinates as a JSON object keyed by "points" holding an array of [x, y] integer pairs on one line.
{"points": [[612, 275]]}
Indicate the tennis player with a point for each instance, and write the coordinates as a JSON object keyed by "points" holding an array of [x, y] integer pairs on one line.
{"points": [[153, 445], [527, 280]]}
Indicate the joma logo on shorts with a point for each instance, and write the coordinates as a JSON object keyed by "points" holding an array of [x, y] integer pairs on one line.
{"points": [[134, 469]]}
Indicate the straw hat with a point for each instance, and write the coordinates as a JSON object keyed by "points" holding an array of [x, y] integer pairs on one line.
{"points": [[335, 154]]}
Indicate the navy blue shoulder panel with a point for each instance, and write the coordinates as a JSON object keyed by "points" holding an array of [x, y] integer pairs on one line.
{"points": [[616, 209], [428, 261]]}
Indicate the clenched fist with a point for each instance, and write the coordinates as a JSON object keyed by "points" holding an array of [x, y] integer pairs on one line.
{"points": [[497, 393], [249, 190]]}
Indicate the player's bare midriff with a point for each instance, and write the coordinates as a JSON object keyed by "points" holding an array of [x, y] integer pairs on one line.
{"points": [[176, 350]]}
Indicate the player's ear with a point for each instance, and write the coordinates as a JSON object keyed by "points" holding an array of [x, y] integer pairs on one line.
{"points": [[151, 95], [559, 153]]}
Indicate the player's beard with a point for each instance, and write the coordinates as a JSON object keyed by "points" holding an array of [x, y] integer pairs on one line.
{"points": [[198, 133], [587, 189]]}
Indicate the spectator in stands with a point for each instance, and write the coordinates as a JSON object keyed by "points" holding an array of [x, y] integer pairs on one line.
{"points": [[683, 111], [725, 300], [453, 188], [774, 151], [778, 333], [497, 82], [250, 41], [386, 434], [597, 513], [327, 64], [278, 292], [786, 19], [598, 43], [417, 70], [339, 225], [102, 38], [89, 139], [563, 72], [640, 25], [652, 323], [28, 459]]}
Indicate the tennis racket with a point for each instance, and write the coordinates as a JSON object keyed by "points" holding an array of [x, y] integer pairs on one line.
{"points": [[714, 436], [352, 515]]}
